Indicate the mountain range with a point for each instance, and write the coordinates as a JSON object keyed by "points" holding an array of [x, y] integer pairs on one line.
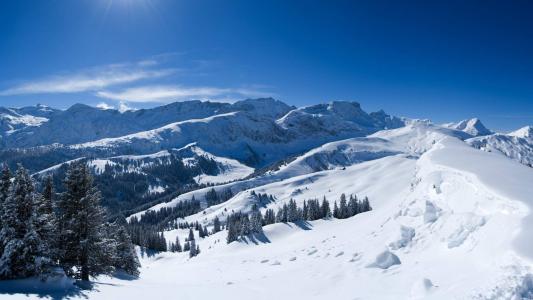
{"points": [[447, 199]]}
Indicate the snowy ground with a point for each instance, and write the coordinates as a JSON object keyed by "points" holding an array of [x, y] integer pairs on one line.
{"points": [[448, 222]]}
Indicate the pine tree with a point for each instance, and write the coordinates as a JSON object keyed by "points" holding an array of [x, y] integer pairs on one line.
{"points": [[256, 222], [45, 221], [245, 225], [292, 215], [25, 253], [270, 217], [305, 211], [343, 207], [5, 182], [211, 197], [279, 215], [191, 235], [353, 206], [365, 206], [85, 249], [326, 211], [125, 256], [177, 244], [234, 229], [216, 225], [335, 210], [192, 249]]}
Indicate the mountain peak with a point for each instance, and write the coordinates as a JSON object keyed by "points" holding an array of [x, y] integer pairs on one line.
{"points": [[472, 126], [524, 132], [263, 106], [80, 107]]}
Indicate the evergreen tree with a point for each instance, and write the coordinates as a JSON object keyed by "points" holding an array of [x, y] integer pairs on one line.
{"points": [[335, 210], [25, 253], [211, 197], [326, 211], [256, 222], [191, 235], [245, 225], [216, 225], [365, 206], [85, 249], [343, 207], [5, 182], [279, 215], [233, 231], [292, 215], [192, 248], [45, 221], [177, 244], [270, 217], [125, 256]]}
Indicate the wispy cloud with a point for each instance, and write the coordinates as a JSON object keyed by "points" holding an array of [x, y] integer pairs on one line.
{"points": [[167, 93], [139, 81], [90, 80]]}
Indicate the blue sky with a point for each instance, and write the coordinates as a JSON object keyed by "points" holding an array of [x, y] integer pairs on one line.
{"points": [[444, 60]]}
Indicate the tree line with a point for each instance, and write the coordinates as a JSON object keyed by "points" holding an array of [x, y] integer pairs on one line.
{"points": [[242, 224], [146, 230], [43, 231]]}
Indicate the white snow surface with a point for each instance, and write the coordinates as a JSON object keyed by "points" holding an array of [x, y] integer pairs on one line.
{"points": [[473, 126], [524, 132], [448, 222]]}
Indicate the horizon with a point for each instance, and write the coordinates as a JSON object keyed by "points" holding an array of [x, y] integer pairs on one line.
{"points": [[123, 109], [409, 60]]}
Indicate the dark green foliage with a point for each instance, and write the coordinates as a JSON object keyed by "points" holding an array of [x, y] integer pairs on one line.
{"points": [[240, 224], [125, 255], [85, 248], [24, 251]]}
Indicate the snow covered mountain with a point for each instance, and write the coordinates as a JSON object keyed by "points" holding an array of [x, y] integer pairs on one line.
{"points": [[473, 127], [440, 207], [255, 132], [524, 132], [83, 123], [145, 178], [255, 137], [450, 218], [13, 120], [517, 145]]}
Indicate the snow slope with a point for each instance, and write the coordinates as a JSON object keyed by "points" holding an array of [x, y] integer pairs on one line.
{"points": [[448, 222]]}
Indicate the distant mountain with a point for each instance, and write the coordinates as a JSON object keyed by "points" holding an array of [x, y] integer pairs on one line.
{"points": [[38, 110], [524, 132], [254, 136], [256, 132], [473, 127], [82, 123], [130, 180], [517, 145], [13, 120]]}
